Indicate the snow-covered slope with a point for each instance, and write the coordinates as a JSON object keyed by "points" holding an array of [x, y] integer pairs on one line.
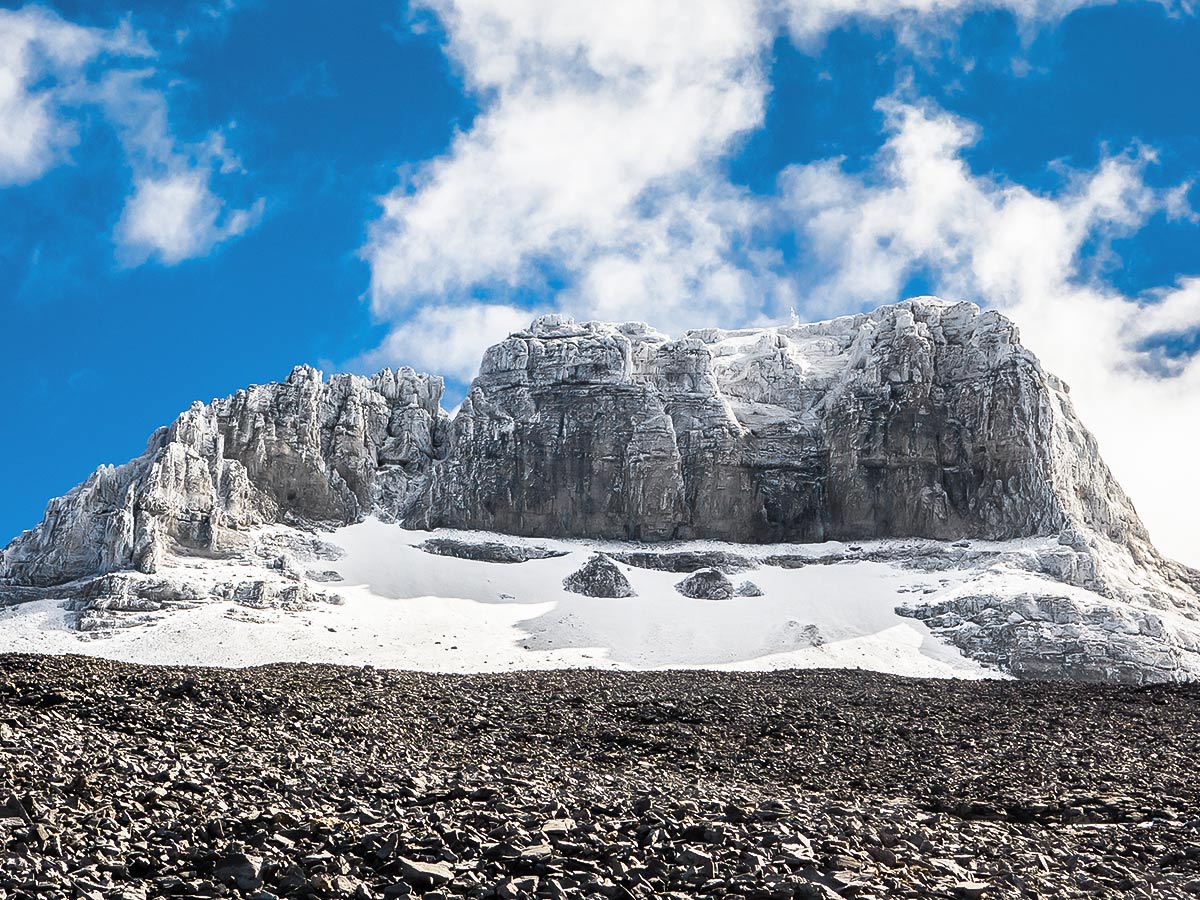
{"points": [[370, 594]]}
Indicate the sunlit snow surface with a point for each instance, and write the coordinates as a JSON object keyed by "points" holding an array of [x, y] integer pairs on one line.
{"points": [[408, 609]]}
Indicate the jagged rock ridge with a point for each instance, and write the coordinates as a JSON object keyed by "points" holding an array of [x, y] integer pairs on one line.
{"points": [[301, 451], [923, 419]]}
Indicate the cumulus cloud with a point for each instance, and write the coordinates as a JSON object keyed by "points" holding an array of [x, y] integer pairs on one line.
{"points": [[596, 149], [920, 209], [177, 216], [54, 74], [596, 164]]}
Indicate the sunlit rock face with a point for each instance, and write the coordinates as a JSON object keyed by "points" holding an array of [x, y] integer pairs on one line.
{"points": [[923, 419], [302, 451]]}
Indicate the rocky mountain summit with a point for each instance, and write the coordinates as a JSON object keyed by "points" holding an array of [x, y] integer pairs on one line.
{"points": [[924, 419]]}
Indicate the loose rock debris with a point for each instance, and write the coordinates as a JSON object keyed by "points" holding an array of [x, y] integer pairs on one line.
{"points": [[324, 782]]}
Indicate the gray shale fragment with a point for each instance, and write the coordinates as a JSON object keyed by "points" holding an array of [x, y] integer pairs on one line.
{"points": [[599, 577]]}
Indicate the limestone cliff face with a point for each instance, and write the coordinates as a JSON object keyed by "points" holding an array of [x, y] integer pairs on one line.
{"points": [[923, 419], [302, 451]]}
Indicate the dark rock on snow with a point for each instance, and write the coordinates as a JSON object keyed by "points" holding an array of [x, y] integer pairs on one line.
{"points": [[706, 584], [488, 551], [686, 560], [599, 577]]}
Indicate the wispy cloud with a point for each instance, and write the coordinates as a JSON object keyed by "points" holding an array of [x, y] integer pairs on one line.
{"points": [[43, 66], [54, 74]]}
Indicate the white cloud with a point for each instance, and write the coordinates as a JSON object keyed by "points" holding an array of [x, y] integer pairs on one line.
{"points": [[598, 146], [43, 60], [173, 212], [53, 74], [596, 161], [177, 217], [809, 21], [921, 209], [446, 340]]}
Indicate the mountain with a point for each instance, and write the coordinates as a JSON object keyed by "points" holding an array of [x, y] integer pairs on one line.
{"points": [[901, 433]]}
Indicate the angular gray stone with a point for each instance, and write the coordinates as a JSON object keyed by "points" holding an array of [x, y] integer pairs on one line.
{"points": [[599, 577], [706, 584], [424, 874]]}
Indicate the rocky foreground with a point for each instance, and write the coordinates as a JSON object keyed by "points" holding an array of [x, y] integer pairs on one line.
{"points": [[317, 781]]}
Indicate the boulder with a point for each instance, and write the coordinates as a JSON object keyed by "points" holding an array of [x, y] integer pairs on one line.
{"points": [[599, 577], [706, 584]]}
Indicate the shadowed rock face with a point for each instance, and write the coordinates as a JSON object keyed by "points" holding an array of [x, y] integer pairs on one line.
{"points": [[923, 419]]}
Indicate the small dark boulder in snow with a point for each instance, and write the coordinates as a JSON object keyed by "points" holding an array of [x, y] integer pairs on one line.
{"points": [[706, 584], [599, 577], [748, 589]]}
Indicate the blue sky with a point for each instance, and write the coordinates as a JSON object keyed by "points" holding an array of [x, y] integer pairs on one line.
{"points": [[199, 195]]}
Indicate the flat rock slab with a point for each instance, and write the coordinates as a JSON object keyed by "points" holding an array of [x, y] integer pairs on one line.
{"points": [[687, 560], [487, 551]]}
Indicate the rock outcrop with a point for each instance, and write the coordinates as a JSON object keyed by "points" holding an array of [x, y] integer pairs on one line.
{"points": [[487, 551], [1057, 637], [924, 419], [303, 451], [706, 584], [599, 577]]}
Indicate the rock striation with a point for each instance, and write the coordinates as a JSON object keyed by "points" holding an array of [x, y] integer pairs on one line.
{"points": [[923, 419]]}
